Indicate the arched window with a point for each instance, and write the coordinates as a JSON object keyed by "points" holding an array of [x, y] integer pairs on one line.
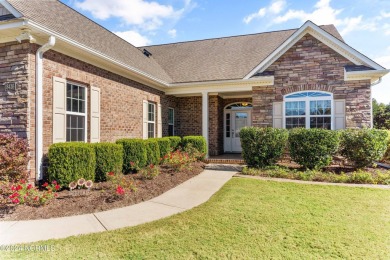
{"points": [[309, 109], [239, 106]]}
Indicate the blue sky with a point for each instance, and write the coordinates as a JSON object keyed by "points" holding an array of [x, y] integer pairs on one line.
{"points": [[364, 24]]}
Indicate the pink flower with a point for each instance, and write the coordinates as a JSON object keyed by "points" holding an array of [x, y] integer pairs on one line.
{"points": [[14, 195], [36, 198], [57, 187], [22, 181], [54, 182], [120, 190], [29, 186], [45, 184], [19, 187], [16, 201]]}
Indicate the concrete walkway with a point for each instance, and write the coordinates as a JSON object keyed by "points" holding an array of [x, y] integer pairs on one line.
{"points": [[183, 197]]}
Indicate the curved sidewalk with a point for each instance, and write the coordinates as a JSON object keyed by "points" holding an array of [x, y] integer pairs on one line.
{"points": [[181, 198]]}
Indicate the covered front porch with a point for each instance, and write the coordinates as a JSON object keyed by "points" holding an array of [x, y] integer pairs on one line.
{"points": [[217, 111]]}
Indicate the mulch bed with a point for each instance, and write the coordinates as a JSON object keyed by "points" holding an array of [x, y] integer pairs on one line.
{"points": [[67, 204]]}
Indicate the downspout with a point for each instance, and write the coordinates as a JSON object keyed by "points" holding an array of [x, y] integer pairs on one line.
{"points": [[372, 112], [39, 106]]}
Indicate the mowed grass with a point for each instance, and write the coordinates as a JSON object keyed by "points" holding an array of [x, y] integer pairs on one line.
{"points": [[250, 219]]}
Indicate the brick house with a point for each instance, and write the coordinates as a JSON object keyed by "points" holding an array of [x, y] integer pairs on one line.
{"points": [[65, 78]]}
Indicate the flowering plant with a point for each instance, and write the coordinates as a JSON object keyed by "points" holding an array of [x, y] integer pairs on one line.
{"points": [[134, 166], [120, 185], [26, 193], [150, 172], [178, 160]]}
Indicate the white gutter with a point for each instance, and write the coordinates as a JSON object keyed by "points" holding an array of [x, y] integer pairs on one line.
{"points": [[39, 105]]}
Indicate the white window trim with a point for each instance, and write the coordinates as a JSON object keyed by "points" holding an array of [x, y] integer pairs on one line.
{"points": [[152, 122], [77, 113], [307, 106], [173, 119]]}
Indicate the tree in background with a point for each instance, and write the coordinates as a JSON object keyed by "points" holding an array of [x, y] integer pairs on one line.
{"points": [[381, 113]]}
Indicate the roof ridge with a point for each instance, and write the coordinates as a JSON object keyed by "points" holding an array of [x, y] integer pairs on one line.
{"points": [[226, 37]]}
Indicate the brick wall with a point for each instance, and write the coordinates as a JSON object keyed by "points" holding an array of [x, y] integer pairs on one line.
{"points": [[121, 98], [311, 65]]}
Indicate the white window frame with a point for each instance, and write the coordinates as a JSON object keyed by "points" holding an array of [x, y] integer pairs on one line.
{"points": [[173, 120], [77, 113], [152, 122], [307, 107]]}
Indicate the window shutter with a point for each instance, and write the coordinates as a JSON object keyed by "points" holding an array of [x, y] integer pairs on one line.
{"points": [[145, 119], [159, 121], [277, 114], [95, 115], [339, 114], [59, 110]]}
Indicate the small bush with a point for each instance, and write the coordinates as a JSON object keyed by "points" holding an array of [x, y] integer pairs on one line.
{"points": [[164, 144], [386, 157], [178, 160], [262, 146], [71, 161], [149, 172], [152, 151], [13, 157], [109, 158], [175, 142], [313, 148], [134, 154], [198, 142], [363, 146]]}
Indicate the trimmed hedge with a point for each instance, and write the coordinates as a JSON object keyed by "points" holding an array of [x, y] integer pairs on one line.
{"points": [[71, 161], [109, 158], [363, 146], [175, 142], [152, 151], [198, 142], [313, 148], [262, 146], [164, 144], [134, 150]]}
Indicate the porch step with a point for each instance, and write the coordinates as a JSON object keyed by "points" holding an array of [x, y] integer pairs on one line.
{"points": [[225, 161]]}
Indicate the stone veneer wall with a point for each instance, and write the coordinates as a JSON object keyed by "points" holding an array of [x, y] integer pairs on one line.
{"points": [[311, 65], [14, 102]]}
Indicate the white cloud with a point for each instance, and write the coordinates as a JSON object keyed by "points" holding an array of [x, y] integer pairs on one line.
{"points": [[323, 13], [148, 15], [172, 33], [275, 8], [385, 15], [134, 38]]}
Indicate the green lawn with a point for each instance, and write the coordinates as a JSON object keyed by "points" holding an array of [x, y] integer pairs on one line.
{"points": [[252, 219]]}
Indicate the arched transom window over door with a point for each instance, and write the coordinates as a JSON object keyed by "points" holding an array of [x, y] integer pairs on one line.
{"points": [[309, 109]]}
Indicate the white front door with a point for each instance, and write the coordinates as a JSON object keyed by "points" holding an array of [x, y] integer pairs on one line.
{"points": [[234, 122]]}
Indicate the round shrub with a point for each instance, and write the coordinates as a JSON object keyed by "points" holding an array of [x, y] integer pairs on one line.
{"points": [[109, 158], [134, 151], [175, 142], [363, 146], [262, 147], [71, 161], [13, 157], [313, 148], [197, 142], [164, 144], [152, 151]]}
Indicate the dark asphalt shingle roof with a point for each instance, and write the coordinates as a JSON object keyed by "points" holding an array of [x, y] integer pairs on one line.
{"points": [[204, 60]]}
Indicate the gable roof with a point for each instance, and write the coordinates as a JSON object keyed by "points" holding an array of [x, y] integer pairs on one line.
{"points": [[60, 18], [211, 60], [220, 58]]}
